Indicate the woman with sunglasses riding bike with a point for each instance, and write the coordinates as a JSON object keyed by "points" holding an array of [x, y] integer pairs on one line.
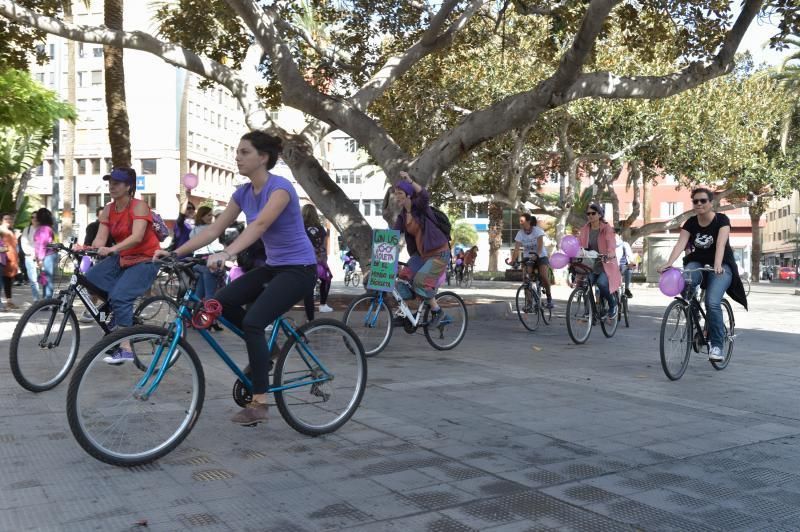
{"points": [[598, 235], [705, 238]]}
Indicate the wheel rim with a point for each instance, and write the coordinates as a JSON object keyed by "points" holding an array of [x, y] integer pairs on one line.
{"points": [[675, 341], [528, 307], [122, 427], [453, 324], [371, 322], [45, 366], [157, 311], [324, 405], [579, 316]]}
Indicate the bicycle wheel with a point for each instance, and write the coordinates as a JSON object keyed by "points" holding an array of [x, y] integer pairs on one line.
{"points": [[37, 362], [528, 307], [355, 279], [170, 286], [156, 310], [338, 365], [746, 283], [468, 280], [453, 325], [609, 327], [579, 315], [727, 342], [624, 307], [371, 321], [547, 313], [676, 340], [107, 414]]}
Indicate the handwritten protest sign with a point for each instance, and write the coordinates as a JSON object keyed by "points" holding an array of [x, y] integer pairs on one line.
{"points": [[383, 269]]}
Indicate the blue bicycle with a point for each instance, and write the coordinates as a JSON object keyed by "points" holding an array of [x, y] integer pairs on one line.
{"points": [[135, 413]]}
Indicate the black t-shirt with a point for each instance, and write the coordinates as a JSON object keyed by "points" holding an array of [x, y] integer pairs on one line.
{"points": [[703, 240]]}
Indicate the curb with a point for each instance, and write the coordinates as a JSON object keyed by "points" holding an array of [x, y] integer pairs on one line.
{"points": [[497, 309]]}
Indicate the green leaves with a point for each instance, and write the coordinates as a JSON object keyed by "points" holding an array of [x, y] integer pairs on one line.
{"points": [[27, 106]]}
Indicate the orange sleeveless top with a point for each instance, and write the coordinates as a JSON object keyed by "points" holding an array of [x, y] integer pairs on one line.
{"points": [[120, 225]]}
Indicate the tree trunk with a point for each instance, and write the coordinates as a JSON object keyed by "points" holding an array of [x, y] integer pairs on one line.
{"points": [[119, 135], [756, 210], [67, 214], [647, 200], [495, 234]]}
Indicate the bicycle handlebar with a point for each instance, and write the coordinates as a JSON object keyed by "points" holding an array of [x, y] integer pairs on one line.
{"points": [[79, 252]]}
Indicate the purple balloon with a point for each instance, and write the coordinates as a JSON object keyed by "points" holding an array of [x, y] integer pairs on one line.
{"points": [[671, 282], [190, 181], [558, 260], [571, 246], [86, 263], [235, 273]]}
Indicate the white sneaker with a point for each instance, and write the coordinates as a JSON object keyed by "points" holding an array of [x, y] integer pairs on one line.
{"points": [[325, 308], [86, 317], [715, 355]]}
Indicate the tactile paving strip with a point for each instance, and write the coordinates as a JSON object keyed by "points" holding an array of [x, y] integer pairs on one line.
{"points": [[589, 494], [668, 479], [433, 499], [728, 519], [341, 509], [460, 473], [545, 477], [194, 460], [489, 510], [448, 524], [582, 470], [768, 476], [198, 519], [686, 501], [212, 474], [502, 487], [768, 508]]}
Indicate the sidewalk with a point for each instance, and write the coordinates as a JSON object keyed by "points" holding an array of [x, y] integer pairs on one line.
{"points": [[510, 431]]}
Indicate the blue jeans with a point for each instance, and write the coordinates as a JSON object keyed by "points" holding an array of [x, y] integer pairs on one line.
{"points": [[33, 276], [601, 281], [122, 285], [48, 268], [206, 283], [716, 285]]}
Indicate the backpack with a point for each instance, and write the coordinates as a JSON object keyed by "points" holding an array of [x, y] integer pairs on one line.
{"points": [[159, 227], [441, 221]]}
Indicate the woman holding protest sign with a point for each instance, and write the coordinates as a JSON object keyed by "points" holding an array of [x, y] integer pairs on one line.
{"points": [[427, 245]]}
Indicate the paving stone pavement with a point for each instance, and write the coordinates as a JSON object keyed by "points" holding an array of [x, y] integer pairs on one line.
{"points": [[510, 431]]}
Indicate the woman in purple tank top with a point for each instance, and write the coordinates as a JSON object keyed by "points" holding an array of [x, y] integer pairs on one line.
{"points": [[272, 210]]}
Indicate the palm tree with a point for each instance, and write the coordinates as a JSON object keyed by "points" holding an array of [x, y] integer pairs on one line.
{"points": [[789, 74], [119, 135]]}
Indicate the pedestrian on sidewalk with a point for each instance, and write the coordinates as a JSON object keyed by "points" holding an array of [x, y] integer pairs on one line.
{"points": [[9, 260], [46, 259], [319, 239]]}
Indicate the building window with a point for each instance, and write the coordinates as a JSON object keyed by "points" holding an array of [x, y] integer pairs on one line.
{"points": [[149, 166], [379, 208], [81, 50], [97, 77], [350, 145], [39, 170], [150, 199], [367, 208], [52, 79], [669, 209], [40, 77], [82, 166], [52, 54], [98, 52], [95, 166]]}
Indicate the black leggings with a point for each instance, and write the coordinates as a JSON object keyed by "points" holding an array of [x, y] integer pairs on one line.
{"points": [[308, 302], [7, 283], [271, 291]]}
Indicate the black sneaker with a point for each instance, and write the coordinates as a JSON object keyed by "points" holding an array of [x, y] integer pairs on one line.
{"points": [[628, 294], [436, 317]]}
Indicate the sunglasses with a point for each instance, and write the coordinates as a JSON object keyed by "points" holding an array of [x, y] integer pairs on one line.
{"points": [[591, 213], [700, 201]]}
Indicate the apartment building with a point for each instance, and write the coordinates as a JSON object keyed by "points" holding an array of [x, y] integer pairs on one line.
{"points": [[779, 236]]}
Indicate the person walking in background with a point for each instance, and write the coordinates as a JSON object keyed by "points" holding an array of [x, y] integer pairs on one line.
{"points": [[625, 259], [9, 260], [319, 239], [183, 227], [29, 252], [46, 259]]}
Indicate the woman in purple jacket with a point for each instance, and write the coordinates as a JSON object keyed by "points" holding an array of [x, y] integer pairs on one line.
{"points": [[427, 245]]}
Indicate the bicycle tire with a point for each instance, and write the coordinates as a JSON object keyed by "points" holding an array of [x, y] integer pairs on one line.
{"points": [[730, 327], [469, 279], [456, 312], [624, 302], [155, 310], [57, 367], [609, 328], [579, 315], [746, 284], [675, 339], [311, 409], [355, 279], [374, 325], [116, 385], [547, 313], [170, 286], [527, 305]]}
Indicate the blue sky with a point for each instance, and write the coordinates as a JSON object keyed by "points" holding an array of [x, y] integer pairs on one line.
{"points": [[754, 40]]}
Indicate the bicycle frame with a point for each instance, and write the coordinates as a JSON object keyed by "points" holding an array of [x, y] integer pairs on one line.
{"points": [[375, 306], [143, 390]]}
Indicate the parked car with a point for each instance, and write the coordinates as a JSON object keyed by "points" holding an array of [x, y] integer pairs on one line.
{"points": [[787, 273]]}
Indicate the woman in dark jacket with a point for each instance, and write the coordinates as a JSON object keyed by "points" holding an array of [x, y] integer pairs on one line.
{"points": [[427, 245]]}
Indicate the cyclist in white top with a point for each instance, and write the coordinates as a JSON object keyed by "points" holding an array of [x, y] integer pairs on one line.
{"points": [[529, 243], [624, 258]]}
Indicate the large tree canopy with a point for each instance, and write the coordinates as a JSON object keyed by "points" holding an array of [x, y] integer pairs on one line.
{"points": [[333, 60]]}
